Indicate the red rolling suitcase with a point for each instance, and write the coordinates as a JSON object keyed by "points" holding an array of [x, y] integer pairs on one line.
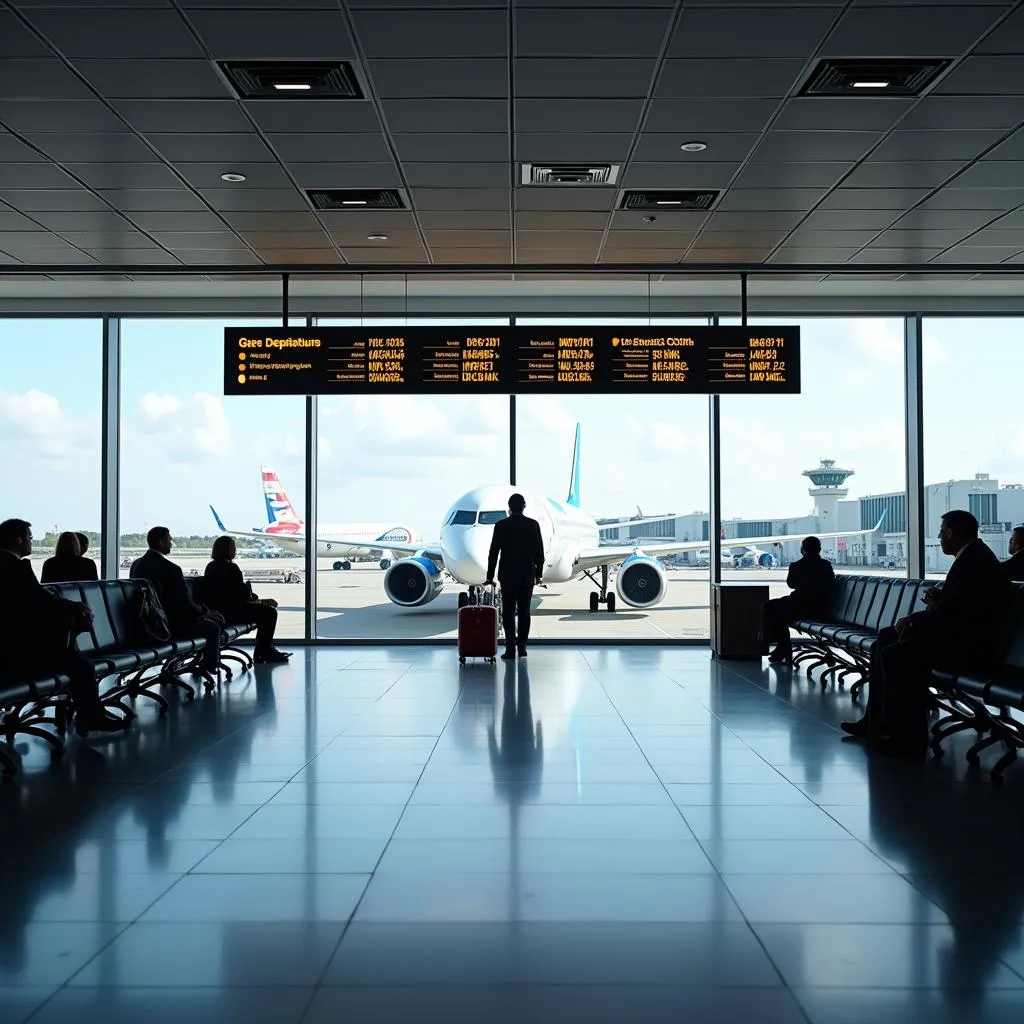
{"points": [[478, 627]]}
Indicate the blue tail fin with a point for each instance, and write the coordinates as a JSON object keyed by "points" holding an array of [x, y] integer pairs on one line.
{"points": [[574, 480], [217, 519]]}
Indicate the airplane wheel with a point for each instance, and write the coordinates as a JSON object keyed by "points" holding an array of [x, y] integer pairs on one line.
{"points": [[611, 602], [385, 564], [346, 566], [336, 566], [463, 599], [594, 599]]}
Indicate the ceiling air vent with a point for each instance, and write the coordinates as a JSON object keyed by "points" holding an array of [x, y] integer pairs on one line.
{"points": [[635, 199], [355, 198], [570, 174], [873, 77], [310, 80]]}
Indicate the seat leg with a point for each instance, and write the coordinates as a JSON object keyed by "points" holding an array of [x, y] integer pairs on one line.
{"points": [[1003, 763], [983, 744], [9, 763]]}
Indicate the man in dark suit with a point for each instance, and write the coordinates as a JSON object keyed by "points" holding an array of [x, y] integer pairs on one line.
{"points": [[37, 629], [1013, 567], [186, 617], [518, 542], [812, 581], [958, 626]]}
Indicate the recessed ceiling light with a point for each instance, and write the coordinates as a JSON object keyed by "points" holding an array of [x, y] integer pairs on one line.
{"points": [[353, 202], [871, 85], [292, 86], [232, 176], [693, 147], [669, 202], [376, 238]]}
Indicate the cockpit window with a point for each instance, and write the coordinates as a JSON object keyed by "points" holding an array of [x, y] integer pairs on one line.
{"points": [[490, 518], [462, 517]]}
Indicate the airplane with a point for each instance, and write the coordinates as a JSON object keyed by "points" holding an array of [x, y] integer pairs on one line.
{"points": [[571, 544], [286, 529]]}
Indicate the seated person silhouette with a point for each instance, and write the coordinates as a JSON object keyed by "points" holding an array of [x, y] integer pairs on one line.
{"points": [[185, 617], [812, 581], [1013, 567], [957, 628], [226, 590], [37, 631], [67, 564]]}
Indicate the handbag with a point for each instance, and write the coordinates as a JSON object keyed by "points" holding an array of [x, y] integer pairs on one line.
{"points": [[152, 619]]}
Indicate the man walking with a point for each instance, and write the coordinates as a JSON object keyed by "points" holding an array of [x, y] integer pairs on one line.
{"points": [[518, 543]]}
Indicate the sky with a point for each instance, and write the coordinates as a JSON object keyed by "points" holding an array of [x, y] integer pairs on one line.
{"points": [[406, 459]]}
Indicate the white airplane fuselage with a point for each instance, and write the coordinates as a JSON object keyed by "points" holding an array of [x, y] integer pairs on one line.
{"points": [[295, 540], [565, 529]]}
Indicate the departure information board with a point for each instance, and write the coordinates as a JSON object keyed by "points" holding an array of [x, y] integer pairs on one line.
{"points": [[512, 360]]}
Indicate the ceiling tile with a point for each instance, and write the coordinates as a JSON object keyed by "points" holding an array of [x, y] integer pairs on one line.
{"points": [[929, 217], [991, 174], [117, 33], [100, 176], [351, 236], [753, 77], [873, 198], [222, 239], [444, 255], [722, 147], [240, 148], [310, 148], [97, 147], [936, 145], [1011, 149], [86, 220], [419, 116], [141, 79], [365, 222], [33, 78], [474, 147], [1008, 37], [293, 116], [217, 257], [593, 116], [638, 32], [133, 256], [289, 33], [190, 116], [984, 76], [255, 199], [468, 239], [18, 41], [70, 199], [978, 254], [797, 174], [39, 175], [586, 79], [454, 219], [152, 199], [433, 33], [776, 32], [849, 220], [572, 147], [460, 199], [902, 174], [760, 220], [770, 199], [259, 176], [918, 238], [573, 220], [946, 113], [836, 114], [703, 116], [346, 175], [279, 239], [11, 221], [369, 256], [678, 175], [58, 116], [427, 79], [823, 147], [882, 254], [807, 254], [552, 199], [13, 150], [177, 221], [909, 31], [461, 175], [974, 198], [273, 220]]}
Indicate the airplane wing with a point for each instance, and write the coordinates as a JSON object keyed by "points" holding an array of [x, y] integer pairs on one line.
{"points": [[612, 554], [619, 524], [431, 551]]}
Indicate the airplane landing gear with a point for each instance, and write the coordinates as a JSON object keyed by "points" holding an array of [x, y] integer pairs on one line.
{"points": [[603, 597], [463, 599], [385, 564]]}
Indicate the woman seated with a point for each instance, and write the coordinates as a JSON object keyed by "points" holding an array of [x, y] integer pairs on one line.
{"points": [[67, 564], [227, 591]]}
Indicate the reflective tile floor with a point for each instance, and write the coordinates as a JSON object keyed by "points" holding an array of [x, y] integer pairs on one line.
{"points": [[595, 835]]}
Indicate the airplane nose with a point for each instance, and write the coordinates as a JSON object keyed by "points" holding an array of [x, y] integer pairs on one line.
{"points": [[465, 554]]}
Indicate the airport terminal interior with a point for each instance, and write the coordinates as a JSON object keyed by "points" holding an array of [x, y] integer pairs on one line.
{"points": [[334, 278]]}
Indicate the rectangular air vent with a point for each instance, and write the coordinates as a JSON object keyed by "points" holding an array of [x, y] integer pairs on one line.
{"points": [[355, 198], [637, 199], [832, 77], [309, 80], [570, 174]]}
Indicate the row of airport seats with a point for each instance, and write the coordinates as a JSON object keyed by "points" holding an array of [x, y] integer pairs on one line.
{"points": [[128, 665], [984, 698]]}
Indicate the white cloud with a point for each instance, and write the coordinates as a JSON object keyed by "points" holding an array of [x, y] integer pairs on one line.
{"points": [[193, 426], [37, 424]]}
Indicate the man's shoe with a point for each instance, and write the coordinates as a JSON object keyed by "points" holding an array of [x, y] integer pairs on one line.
{"points": [[861, 728], [780, 656], [522, 652], [98, 720], [508, 656], [271, 657]]}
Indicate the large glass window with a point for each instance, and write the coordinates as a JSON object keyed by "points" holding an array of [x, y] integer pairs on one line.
{"points": [[393, 467], [50, 429], [973, 429], [642, 486], [830, 460], [190, 457]]}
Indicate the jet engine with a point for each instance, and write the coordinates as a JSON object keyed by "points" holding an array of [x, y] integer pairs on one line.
{"points": [[762, 559], [641, 581], [411, 582]]}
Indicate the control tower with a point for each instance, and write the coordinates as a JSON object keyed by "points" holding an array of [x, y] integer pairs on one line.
{"points": [[827, 492]]}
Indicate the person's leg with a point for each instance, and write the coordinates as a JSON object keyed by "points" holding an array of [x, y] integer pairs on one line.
{"points": [[265, 618], [508, 617], [775, 617], [873, 720], [210, 632], [903, 702], [524, 597]]}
